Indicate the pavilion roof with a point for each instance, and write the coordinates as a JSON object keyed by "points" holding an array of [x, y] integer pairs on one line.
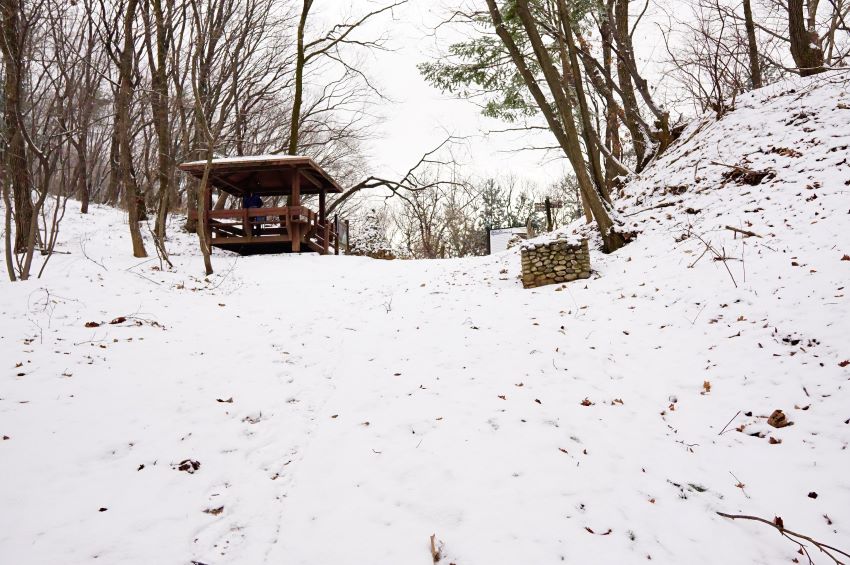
{"points": [[264, 175]]}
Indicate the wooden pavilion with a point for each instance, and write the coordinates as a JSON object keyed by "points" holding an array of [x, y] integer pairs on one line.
{"points": [[290, 228]]}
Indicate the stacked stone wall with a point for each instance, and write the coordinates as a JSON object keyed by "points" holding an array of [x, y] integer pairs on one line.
{"points": [[554, 262]]}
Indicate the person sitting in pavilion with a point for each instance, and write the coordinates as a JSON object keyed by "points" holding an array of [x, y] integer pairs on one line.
{"points": [[251, 200]]}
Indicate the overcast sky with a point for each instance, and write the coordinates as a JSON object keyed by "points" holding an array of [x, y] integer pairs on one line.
{"points": [[420, 116]]}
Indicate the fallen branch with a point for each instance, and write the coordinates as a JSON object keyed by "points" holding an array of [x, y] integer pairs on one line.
{"points": [[662, 205], [743, 232], [780, 527], [743, 175], [738, 168]]}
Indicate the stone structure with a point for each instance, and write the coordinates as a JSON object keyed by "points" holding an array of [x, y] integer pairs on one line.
{"points": [[557, 261]]}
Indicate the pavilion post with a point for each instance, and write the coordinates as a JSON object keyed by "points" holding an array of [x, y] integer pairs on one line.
{"points": [[322, 215], [296, 201]]}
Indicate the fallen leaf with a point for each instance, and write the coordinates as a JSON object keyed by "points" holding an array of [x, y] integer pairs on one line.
{"points": [[774, 441], [586, 402], [215, 511], [502, 396], [813, 494], [706, 387], [189, 466], [92, 325], [102, 509], [844, 363], [537, 401], [118, 320], [228, 401], [777, 419]]}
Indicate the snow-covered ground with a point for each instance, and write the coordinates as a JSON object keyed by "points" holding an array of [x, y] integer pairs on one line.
{"points": [[343, 409]]}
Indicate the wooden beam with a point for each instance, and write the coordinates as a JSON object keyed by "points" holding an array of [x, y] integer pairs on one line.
{"points": [[312, 179]]}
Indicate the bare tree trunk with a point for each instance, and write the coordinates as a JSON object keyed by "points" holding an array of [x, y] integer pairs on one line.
{"points": [[203, 198], [91, 83], [588, 133], [755, 68], [12, 45], [612, 125], [125, 93], [158, 61], [805, 46], [7, 235], [627, 92], [627, 57], [299, 80], [114, 184]]}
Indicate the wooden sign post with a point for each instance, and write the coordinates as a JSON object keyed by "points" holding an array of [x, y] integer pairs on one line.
{"points": [[547, 206]]}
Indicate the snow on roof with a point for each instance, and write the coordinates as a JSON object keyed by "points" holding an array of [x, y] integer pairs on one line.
{"points": [[250, 159]]}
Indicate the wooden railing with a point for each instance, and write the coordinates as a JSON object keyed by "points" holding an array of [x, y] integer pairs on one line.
{"points": [[248, 225], [325, 236]]}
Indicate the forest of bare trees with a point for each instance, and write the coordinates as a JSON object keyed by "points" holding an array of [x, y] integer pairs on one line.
{"points": [[102, 98]]}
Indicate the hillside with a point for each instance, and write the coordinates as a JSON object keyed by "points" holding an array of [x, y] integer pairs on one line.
{"points": [[318, 410]]}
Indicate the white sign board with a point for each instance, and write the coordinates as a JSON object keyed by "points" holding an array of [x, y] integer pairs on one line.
{"points": [[499, 238]]}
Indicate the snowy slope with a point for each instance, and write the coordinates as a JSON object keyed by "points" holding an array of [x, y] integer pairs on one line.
{"points": [[396, 399]]}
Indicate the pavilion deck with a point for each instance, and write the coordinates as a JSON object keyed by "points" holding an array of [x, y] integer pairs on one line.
{"points": [[253, 230]]}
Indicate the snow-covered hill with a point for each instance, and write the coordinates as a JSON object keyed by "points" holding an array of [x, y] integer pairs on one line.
{"points": [[342, 410]]}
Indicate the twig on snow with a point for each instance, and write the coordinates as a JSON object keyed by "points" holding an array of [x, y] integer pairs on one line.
{"points": [[791, 535], [717, 257], [740, 485], [746, 233], [83, 242], [729, 422]]}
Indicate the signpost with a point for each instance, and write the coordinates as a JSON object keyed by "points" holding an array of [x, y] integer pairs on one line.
{"points": [[547, 206]]}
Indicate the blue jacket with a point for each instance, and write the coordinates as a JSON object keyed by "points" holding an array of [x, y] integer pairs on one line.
{"points": [[252, 201]]}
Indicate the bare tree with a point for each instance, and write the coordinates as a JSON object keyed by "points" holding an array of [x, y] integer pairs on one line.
{"points": [[326, 45]]}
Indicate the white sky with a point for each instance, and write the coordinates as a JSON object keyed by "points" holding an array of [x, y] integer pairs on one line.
{"points": [[421, 116]]}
